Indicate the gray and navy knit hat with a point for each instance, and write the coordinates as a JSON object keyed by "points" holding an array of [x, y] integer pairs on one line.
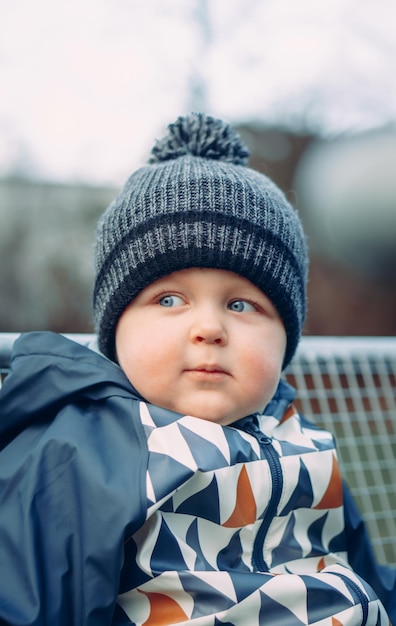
{"points": [[197, 204]]}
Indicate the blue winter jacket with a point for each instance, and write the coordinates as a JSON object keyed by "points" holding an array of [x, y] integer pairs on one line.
{"points": [[77, 475]]}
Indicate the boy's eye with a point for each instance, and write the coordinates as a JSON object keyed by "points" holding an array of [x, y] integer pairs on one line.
{"points": [[170, 301], [241, 306]]}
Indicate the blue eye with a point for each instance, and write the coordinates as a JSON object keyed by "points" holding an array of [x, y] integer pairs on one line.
{"points": [[241, 306], [170, 301]]}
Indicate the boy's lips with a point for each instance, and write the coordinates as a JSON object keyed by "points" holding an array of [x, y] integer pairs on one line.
{"points": [[208, 371]]}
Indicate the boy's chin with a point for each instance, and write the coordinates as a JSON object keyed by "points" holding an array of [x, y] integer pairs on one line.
{"points": [[212, 408], [216, 417]]}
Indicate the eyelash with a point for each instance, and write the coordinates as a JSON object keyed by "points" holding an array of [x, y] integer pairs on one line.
{"points": [[240, 301], [168, 295]]}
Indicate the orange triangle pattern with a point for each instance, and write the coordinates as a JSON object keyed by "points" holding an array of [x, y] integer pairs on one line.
{"points": [[333, 495], [321, 565], [290, 412], [163, 610], [336, 622], [245, 510]]}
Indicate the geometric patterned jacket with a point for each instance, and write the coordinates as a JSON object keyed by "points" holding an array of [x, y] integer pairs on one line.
{"points": [[115, 511], [244, 526]]}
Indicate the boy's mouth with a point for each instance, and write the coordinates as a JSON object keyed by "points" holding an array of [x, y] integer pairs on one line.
{"points": [[208, 371]]}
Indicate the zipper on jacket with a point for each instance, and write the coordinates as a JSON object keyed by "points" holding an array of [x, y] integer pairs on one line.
{"points": [[358, 594], [252, 428]]}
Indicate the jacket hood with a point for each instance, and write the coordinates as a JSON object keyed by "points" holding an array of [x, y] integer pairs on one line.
{"points": [[49, 371]]}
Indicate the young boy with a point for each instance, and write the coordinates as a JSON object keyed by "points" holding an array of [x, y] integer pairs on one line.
{"points": [[173, 481]]}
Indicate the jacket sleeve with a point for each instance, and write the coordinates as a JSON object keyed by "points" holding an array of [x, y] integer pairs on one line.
{"points": [[362, 559], [70, 493]]}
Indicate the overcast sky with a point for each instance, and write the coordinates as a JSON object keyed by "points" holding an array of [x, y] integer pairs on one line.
{"points": [[86, 85]]}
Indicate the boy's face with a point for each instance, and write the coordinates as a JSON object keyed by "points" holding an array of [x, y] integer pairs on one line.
{"points": [[203, 342]]}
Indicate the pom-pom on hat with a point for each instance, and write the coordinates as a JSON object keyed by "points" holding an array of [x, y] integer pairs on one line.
{"points": [[197, 204]]}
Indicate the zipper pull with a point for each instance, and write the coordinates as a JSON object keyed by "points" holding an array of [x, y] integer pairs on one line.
{"points": [[254, 430]]}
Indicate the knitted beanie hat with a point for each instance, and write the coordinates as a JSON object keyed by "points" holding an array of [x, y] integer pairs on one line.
{"points": [[197, 204]]}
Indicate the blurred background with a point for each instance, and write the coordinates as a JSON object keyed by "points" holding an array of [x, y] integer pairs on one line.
{"points": [[87, 85]]}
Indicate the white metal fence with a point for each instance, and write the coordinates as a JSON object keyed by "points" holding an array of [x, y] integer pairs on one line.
{"points": [[348, 385]]}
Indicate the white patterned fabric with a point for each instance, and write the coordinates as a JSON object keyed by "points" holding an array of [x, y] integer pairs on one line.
{"points": [[244, 527]]}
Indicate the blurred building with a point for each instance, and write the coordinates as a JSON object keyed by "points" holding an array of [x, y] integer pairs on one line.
{"points": [[46, 254], [345, 192]]}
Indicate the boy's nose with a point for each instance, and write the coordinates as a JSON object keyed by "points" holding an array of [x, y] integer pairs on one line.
{"points": [[208, 330]]}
